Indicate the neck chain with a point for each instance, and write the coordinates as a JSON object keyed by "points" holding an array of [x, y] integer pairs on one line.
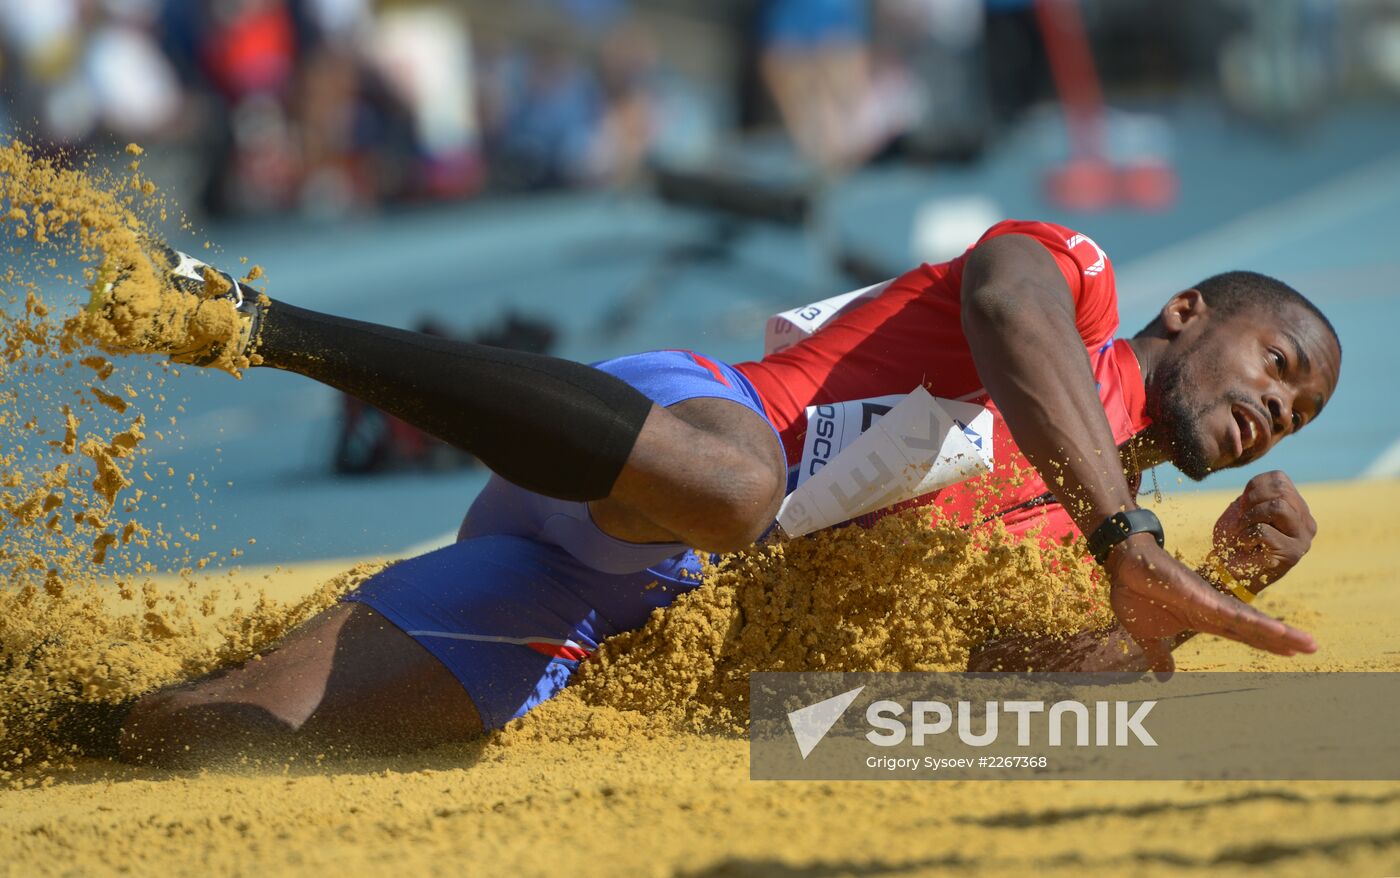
{"points": [[1156, 488]]}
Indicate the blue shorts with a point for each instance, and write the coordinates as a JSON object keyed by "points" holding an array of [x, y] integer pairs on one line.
{"points": [[532, 586]]}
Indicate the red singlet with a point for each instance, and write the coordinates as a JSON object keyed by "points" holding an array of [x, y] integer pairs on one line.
{"points": [[911, 334]]}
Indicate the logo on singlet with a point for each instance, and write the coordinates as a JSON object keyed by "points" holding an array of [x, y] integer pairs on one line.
{"points": [[1097, 266]]}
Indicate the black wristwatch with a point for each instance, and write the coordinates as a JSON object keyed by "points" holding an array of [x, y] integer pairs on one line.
{"points": [[1121, 525]]}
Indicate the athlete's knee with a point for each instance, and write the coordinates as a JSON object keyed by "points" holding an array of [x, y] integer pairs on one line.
{"points": [[709, 471], [739, 505]]}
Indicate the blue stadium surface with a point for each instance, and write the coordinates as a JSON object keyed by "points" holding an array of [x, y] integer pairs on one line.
{"points": [[618, 274]]}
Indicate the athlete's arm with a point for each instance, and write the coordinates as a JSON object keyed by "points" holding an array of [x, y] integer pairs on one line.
{"points": [[1104, 649], [1019, 319], [1260, 537]]}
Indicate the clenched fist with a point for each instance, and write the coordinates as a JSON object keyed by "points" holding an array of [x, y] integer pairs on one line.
{"points": [[1266, 531]]}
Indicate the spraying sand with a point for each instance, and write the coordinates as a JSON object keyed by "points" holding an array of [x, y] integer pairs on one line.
{"points": [[85, 278], [81, 245]]}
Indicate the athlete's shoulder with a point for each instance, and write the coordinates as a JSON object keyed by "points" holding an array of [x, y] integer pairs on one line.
{"points": [[1080, 249], [1086, 268]]}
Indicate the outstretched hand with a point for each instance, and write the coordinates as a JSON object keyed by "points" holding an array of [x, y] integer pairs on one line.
{"points": [[1156, 597]]}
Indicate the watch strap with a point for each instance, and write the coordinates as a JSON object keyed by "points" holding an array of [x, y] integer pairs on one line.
{"points": [[1121, 525]]}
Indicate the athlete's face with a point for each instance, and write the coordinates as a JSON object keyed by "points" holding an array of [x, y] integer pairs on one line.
{"points": [[1228, 389]]}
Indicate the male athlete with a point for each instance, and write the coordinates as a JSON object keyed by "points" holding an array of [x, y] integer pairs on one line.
{"points": [[605, 475]]}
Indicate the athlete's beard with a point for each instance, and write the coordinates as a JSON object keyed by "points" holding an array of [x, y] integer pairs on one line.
{"points": [[1176, 421]]}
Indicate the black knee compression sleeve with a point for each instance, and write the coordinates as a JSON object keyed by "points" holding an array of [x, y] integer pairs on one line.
{"points": [[553, 426]]}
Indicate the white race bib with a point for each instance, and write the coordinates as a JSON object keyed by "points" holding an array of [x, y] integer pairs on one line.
{"points": [[788, 328], [867, 454]]}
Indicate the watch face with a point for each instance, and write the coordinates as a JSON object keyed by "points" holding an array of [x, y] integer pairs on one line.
{"points": [[1145, 521]]}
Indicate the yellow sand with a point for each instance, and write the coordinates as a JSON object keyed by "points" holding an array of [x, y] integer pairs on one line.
{"points": [[682, 805]]}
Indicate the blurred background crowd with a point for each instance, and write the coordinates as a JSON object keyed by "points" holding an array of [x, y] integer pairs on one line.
{"points": [[597, 177], [327, 106]]}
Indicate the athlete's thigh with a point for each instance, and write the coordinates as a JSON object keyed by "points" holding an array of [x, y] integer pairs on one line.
{"points": [[345, 678], [384, 686]]}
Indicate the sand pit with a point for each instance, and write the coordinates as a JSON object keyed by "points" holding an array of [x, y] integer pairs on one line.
{"points": [[681, 804]]}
